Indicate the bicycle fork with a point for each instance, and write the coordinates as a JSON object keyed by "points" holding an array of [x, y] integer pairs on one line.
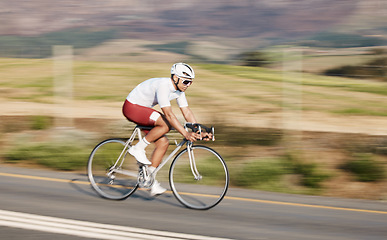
{"points": [[192, 162]]}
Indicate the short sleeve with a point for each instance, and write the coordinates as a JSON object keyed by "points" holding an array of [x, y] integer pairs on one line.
{"points": [[162, 96], [182, 100]]}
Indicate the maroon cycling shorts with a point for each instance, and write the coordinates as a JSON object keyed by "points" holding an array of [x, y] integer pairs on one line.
{"points": [[139, 114]]}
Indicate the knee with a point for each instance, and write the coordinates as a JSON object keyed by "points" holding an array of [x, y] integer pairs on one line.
{"points": [[164, 142], [163, 125], [166, 128]]}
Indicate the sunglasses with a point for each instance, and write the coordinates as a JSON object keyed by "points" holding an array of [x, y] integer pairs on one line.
{"points": [[187, 82]]}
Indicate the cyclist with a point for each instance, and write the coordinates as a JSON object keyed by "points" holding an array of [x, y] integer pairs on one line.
{"points": [[138, 109]]}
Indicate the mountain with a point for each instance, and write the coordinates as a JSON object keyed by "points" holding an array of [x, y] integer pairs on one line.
{"points": [[177, 18]]}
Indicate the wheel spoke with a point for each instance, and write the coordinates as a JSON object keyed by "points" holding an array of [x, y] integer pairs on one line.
{"points": [[208, 187], [105, 179]]}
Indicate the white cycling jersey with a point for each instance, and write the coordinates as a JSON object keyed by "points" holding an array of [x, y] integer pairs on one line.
{"points": [[156, 91]]}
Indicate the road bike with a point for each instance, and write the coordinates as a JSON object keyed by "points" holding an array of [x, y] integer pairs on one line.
{"points": [[198, 175]]}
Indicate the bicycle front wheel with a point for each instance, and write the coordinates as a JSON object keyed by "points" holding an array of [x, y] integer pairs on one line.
{"points": [[199, 183], [112, 171]]}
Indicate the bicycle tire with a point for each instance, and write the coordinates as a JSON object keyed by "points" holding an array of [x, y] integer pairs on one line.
{"points": [[200, 194], [116, 186]]}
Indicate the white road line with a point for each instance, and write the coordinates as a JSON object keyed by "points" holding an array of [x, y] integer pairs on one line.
{"points": [[86, 229]]}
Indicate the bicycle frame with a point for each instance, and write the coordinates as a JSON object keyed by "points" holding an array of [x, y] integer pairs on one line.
{"points": [[120, 159], [116, 168], [113, 179]]}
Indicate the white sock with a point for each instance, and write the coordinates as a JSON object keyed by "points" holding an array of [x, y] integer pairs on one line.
{"points": [[142, 144]]}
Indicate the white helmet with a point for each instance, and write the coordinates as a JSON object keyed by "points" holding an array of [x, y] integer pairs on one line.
{"points": [[183, 70]]}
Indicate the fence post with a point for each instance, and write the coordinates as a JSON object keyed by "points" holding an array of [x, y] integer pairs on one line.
{"points": [[63, 85], [292, 98]]}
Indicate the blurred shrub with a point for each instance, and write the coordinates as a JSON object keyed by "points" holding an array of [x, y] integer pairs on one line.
{"points": [[342, 40], [311, 175], [381, 147], [254, 59], [359, 145], [14, 124], [11, 124], [50, 154], [175, 47], [41, 122], [40, 46], [237, 136], [374, 69], [268, 173], [64, 150], [365, 168], [259, 172], [364, 145]]}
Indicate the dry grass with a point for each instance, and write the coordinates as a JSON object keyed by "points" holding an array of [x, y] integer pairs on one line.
{"points": [[236, 95]]}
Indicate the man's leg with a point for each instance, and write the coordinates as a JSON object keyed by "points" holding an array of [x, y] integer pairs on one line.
{"points": [[156, 135], [147, 117], [160, 128], [159, 151]]}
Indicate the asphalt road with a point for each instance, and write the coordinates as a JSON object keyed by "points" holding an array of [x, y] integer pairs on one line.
{"points": [[39, 204]]}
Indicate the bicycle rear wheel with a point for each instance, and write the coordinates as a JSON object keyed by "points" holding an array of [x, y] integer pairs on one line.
{"points": [[202, 192], [110, 176]]}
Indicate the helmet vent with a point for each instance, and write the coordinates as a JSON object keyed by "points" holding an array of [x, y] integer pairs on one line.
{"points": [[186, 74]]}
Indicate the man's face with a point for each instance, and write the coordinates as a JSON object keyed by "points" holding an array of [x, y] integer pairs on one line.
{"points": [[184, 83]]}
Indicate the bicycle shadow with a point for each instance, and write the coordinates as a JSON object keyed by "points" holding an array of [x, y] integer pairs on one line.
{"points": [[166, 197], [84, 187]]}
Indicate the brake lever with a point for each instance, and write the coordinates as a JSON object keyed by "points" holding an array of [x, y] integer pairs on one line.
{"points": [[213, 133], [200, 132]]}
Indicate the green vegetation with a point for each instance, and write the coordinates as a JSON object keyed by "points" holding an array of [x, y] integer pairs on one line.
{"points": [[61, 150], [254, 59], [260, 174], [40, 122], [362, 161], [311, 175], [242, 136], [175, 47], [367, 146], [269, 173], [365, 168], [40, 46], [381, 147], [342, 40], [53, 155], [374, 69], [16, 124]]}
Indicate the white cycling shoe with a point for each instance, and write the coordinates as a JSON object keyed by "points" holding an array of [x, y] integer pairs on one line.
{"points": [[156, 189], [139, 154]]}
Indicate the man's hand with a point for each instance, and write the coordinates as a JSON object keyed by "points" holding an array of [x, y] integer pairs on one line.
{"points": [[206, 136], [192, 136]]}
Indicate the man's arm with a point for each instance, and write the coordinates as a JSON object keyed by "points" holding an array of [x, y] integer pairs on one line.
{"points": [[172, 119], [190, 117], [188, 114]]}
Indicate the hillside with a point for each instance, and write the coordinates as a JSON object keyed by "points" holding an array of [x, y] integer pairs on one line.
{"points": [[183, 19]]}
